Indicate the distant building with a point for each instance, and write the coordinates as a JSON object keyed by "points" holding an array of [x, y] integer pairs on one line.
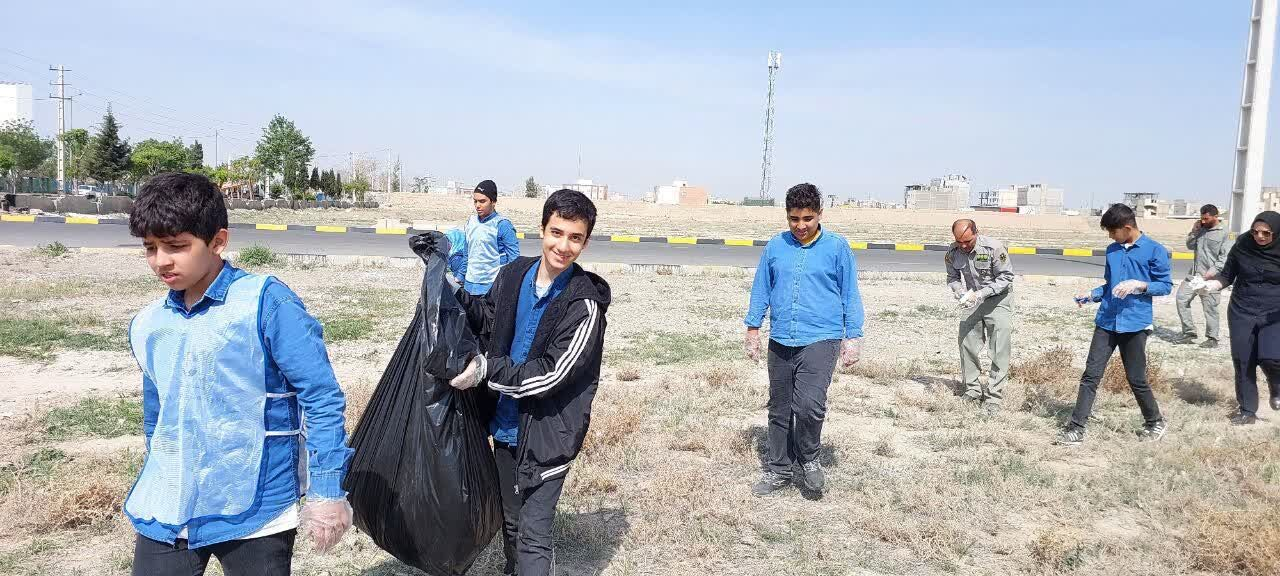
{"points": [[15, 102], [1144, 204], [876, 204], [1022, 198], [1270, 199], [1178, 208], [681, 193], [951, 192], [591, 189]]}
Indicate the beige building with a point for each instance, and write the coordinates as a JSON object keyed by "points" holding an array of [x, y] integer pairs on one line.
{"points": [[1270, 199], [681, 193], [951, 192]]}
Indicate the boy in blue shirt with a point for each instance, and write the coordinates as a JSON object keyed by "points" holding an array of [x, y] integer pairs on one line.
{"points": [[232, 364], [491, 240], [808, 281], [1137, 269]]}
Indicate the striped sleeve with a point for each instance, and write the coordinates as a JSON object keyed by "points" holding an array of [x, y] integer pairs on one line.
{"points": [[574, 344]]}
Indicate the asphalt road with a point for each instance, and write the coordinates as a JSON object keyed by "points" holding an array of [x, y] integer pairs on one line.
{"points": [[362, 244]]}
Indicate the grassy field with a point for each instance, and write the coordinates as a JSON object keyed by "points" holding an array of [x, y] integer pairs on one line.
{"points": [[638, 218], [918, 482]]}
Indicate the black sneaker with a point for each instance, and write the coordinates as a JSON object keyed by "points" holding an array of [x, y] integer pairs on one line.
{"points": [[1070, 436], [1243, 419], [813, 478], [1275, 402], [769, 483], [1209, 343], [1152, 432], [1186, 339]]}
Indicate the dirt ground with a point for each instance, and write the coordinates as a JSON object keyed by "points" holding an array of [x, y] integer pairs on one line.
{"points": [[918, 481], [719, 221]]}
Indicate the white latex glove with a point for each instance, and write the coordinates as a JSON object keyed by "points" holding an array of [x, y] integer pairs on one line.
{"points": [[1209, 287], [751, 343], [970, 299], [471, 375], [326, 521], [850, 352], [1195, 283], [1128, 287]]}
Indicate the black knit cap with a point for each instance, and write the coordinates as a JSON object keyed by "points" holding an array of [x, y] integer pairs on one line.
{"points": [[488, 188]]}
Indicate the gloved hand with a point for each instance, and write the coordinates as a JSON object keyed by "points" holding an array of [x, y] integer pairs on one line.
{"points": [[1209, 287], [1195, 283], [1082, 299], [326, 521], [1128, 287], [971, 298], [471, 375], [751, 343], [850, 352]]}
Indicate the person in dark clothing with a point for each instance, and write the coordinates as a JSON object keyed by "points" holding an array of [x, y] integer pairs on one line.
{"points": [[544, 323], [1253, 318]]}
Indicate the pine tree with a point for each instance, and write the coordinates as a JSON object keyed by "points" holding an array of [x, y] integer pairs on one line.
{"points": [[314, 184], [108, 156]]}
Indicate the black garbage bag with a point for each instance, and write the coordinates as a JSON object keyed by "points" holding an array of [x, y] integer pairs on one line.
{"points": [[422, 482]]}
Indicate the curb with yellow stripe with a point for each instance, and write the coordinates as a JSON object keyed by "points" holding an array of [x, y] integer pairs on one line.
{"points": [[621, 238]]}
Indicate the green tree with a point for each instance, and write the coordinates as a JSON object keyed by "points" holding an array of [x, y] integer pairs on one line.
{"points": [[195, 156], [76, 143], [314, 183], [530, 188], [357, 187], [338, 187], [395, 176], [22, 151], [151, 157], [220, 175], [107, 158], [244, 170], [284, 150]]}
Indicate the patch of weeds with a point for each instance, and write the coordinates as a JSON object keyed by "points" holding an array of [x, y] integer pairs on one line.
{"points": [[884, 447], [257, 256], [1054, 553], [342, 327], [666, 348], [55, 250], [95, 417], [628, 374], [887, 315], [1237, 542], [41, 291], [37, 338], [41, 463], [930, 310]]}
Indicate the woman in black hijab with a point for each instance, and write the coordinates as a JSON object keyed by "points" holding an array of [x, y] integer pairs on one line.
{"points": [[1253, 268]]}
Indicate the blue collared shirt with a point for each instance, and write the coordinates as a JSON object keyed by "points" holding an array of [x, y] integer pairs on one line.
{"points": [[298, 362], [506, 420], [1145, 260], [810, 291]]}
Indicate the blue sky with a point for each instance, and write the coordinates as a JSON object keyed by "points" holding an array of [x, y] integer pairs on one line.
{"points": [[1098, 97]]}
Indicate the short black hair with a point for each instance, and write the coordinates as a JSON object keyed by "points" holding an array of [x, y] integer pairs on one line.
{"points": [[1118, 216], [1209, 209], [570, 205], [804, 195], [172, 203]]}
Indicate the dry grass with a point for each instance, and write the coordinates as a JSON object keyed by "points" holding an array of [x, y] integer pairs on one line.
{"points": [[1056, 552], [611, 425], [1245, 542], [1114, 379], [720, 376], [629, 374], [1051, 367]]}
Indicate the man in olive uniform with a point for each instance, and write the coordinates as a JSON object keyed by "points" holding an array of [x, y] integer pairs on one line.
{"points": [[1208, 238], [981, 278]]}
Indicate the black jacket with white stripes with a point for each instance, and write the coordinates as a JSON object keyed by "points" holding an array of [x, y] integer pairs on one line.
{"points": [[557, 382]]}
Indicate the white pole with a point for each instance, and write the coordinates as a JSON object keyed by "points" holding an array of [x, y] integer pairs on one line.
{"points": [[1246, 189]]}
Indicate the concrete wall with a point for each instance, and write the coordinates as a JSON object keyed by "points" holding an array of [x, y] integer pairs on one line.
{"points": [[106, 205]]}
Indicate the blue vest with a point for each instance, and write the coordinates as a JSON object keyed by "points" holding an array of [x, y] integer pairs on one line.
{"points": [[210, 373], [483, 257]]}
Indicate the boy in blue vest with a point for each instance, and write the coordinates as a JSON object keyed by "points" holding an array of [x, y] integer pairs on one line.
{"points": [[491, 240], [1137, 269], [807, 280], [232, 364]]}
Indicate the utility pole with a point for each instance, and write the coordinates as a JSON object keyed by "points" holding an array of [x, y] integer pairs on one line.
{"points": [[62, 126], [400, 188], [766, 165], [215, 147], [388, 171], [1246, 188]]}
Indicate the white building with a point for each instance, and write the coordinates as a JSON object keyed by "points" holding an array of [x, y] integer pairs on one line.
{"points": [[951, 192], [15, 102], [1022, 198], [1270, 199]]}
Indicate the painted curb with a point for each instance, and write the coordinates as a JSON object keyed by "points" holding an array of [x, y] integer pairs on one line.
{"points": [[621, 238]]}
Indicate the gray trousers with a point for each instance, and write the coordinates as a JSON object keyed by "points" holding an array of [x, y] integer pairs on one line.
{"points": [[798, 381], [1210, 304], [990, 325]]}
